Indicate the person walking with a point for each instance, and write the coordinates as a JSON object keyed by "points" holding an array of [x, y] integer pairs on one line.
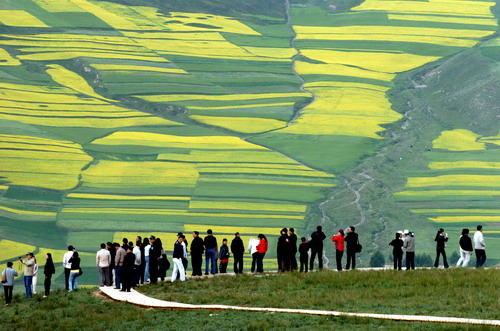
{"points": [[465, 249], [409, 247], [351, 243], [441, 239], [67, 266], [29, 264], [224, 256], [479, 247], [210, 243], [8, 275], [282, 251], [177, 260], [292, 244], [197, 250], [261, 252], [238, 249], [316, 245], [304, 254], [128, 270], [154, 259], [339, 248], [397, 251], [75, 272], [103, 260], [48, 270]]}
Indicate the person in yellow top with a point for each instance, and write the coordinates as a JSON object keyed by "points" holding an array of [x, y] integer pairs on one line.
{"points": [[29, 265]]}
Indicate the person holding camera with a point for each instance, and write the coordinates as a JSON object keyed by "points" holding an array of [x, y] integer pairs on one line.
{"points": [[441, 239], [29, 265]]}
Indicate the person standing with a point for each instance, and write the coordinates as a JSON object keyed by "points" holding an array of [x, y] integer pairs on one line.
{"points": [[154, 259], [210, 243], [224, 256], [112, 251], [397, 251], [119, 257], [316, 245], [292, 244], [351, 243], [441, 239], [261, 252], [128, 270], [409, 247], [282, 251], [147, 247], [304, 254], [479, 247], [8, 286], [185, 244], [197, 251], [48, 271], [137, 263], [339, 248], [238, 249], [177, 260], [67, 266], [465, 249], [35, 276], [103, 260], [74, 273], [252, 249], [142, 267], [29, 264]]}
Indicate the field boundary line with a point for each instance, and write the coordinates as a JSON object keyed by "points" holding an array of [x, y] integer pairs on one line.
{"points": [[144, 301]]}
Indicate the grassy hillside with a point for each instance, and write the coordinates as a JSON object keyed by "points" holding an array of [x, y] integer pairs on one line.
{"points": [[121, 118]]}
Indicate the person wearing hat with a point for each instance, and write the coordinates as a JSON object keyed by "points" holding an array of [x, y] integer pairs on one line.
{"points": [[409, 247], [8, 286], [29, 265], [397, 251]]}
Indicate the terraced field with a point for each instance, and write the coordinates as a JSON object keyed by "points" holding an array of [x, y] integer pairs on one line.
{"points": [[119, 119]]}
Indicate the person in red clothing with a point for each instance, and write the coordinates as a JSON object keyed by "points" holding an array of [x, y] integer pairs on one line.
{"points": [[261, 251], [339, 247]]}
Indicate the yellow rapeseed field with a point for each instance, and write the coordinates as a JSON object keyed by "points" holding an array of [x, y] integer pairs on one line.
{"points": [[20, 18], [305, 68], [267, 157], [7, 60], [168, 239], [54, 56], [163, 140], [258, 105], [435, 193], [12, 250], [26, 212], [464, 164], [232, 229], [458, 140], [462, 219], [455, 180], [241, 124], [264, 182], [265, 171], [223, 97], [444, 19], [58, 6], [491, 140], [456, 211], [234, 205], [112, 19], [223, 23], [125, 197], [128, 68]]}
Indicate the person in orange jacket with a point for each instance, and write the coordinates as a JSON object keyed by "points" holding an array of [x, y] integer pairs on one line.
{"points": [[339, 248], [261, 251]]}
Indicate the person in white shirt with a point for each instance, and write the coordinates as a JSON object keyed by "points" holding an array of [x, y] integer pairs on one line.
{"points": [[147, 247], [137, 263], [479, 247], [67, 265], [102, 260], [35, 276]]}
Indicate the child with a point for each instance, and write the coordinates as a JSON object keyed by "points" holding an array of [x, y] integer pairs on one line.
{"points": [[304, 254], [224, 256]]}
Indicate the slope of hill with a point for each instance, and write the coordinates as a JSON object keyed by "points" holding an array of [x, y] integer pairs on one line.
{"points": [[126, 117]]}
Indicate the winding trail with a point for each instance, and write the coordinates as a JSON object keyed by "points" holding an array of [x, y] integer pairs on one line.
{"points": [[142, 300]]}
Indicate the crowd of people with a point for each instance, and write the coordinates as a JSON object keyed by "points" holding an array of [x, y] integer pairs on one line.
{"points": [[131, 263]]}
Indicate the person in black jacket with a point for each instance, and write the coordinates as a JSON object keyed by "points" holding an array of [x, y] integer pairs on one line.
{"points": [[465, 249], [48, 271], [397, 251], [304, 254], [74, 273], [282, 251], [292, 245], [127, 271], [177, 260], [238, 249], [316, 245], [351, 242], [211, 253], [197, 250], [441, 239], [154, 259]]}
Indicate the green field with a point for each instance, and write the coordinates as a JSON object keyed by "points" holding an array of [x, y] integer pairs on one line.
{"points": [[159, 117]]}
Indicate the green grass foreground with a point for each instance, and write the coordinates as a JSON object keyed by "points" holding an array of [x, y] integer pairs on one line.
{"points": [[467, 293]]}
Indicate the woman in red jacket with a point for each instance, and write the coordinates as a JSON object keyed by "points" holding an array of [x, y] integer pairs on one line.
{"points": [[261, 251], [339, 247]]}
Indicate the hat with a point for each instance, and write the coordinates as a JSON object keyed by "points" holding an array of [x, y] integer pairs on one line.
{"points": [[400, 232], [406, 232], [152, 237], [30, 253]]}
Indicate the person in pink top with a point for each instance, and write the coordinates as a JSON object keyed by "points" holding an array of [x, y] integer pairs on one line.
{"points": [[339, 247]]}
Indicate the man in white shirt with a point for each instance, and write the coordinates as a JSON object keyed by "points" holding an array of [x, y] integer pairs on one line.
{"points": [[479, 247], [67, 265], [103, 259], [137, 263]]}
